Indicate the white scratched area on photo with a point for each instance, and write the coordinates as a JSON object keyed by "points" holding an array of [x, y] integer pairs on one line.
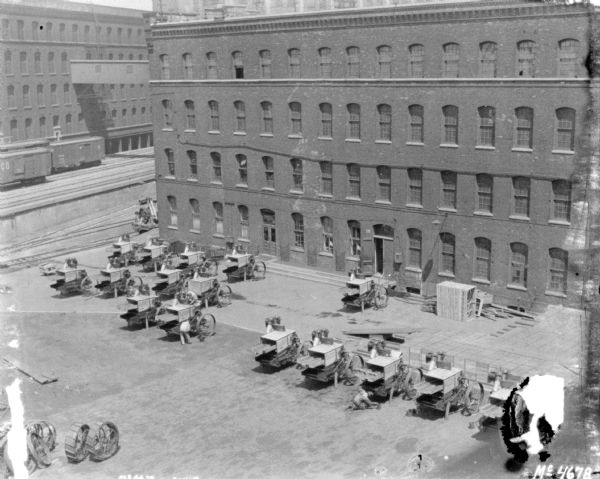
{"points": [[17, 436]]}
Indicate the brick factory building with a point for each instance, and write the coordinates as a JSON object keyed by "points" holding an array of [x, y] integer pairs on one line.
{"points": [[38, 97], [438, 141]]}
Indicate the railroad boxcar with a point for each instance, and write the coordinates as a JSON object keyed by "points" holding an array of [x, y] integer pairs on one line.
{"points": [[75, 153], [24, 162]]}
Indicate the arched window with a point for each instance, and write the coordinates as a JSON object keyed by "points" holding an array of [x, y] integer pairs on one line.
{"points": [[353, 180], [487, 59], [190, 115], [451, 56], [524, 127], [485, 188], [37, 62], [167, 114], [355, 241], [213, 108], [23, 63], [487, 125], [327, 234], [265, 63], [51, 64], [68, 122], [14, 130], [216, 164], [567, 57], [483, 258], [242, 164], [193, 161], [53, 95], [353, 121], [558, 267], [40, 95], [28, 129], [526, 58], [326, 120], [521, 196], [447, 253], [218, 223], [170, 161], [384, 183], [244, 222], [26, 96], [385, 122], [8, 63], [518, 264], [415, 113], [297, 174], [240, 116], [565, 129], [561, 200], [353, 62], [67, 94], [212, 71], [298, 222], [238, 65], [448, 190], [325, 62], [43, 130], [384, 61], [295, 60], [188, 67], [416, 54], [450, 114], [415, 248], [64, 64], [172, 211], [415, 186], [326, 178], [269, 172], [295, 118], [195, 210], [12, 100], [165, 70], [267, 117]]}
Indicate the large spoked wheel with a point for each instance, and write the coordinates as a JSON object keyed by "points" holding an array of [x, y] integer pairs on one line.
{"points": [[38, 449], [473, 399], [381, 298], [259, 271], [75, 442], [414, 377], [44, 430], [224, 295], [87, 285], [102, 441], [355, 363], [204, 325]]}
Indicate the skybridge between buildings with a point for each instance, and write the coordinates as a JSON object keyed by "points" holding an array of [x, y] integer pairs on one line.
{"points": [[109, 71]]}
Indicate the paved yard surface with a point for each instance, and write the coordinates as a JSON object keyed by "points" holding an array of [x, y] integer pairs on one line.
{"points": [[206, 410]]}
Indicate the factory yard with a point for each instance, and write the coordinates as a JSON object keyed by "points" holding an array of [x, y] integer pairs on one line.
{"points": [[208, 410]]}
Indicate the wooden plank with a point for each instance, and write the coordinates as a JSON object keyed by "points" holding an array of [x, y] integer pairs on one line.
{"points": [[38, 376], [380, 331], [512, 311]]}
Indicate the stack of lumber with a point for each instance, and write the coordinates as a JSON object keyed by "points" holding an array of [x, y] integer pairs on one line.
{"points": [[495, 312], [429, 305]]}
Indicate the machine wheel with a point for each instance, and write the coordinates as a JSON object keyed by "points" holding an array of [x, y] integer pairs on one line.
{"points": [[381, 297], [38, 449], [87, 284], [223, 295], [45, 430], [473, 398], [259, 271], [414, 377], [204, 325], [75, 442], [102, 441]]}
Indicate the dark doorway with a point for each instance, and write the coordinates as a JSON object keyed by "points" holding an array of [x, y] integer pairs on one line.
{"points": [[379, 255], [239, 72], [269, 232]]}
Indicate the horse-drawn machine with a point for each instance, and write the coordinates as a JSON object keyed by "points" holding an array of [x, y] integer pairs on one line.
{"points": [[72, 279], [329, 361], [445, 387], [207, 291], [146, 307], [280, 347], [152, 254], [363, 292], [116, 280], [243, 266], [170, 282], [185, 308], [492, 410]]}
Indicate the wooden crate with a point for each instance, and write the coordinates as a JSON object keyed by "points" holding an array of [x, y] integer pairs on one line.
{"points": [[456, 301]]}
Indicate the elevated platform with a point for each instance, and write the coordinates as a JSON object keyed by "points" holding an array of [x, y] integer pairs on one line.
{"points": [[109, 71]]}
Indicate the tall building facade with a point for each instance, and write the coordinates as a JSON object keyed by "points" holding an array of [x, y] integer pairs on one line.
{"points": [[38, 98], [439, 141]]}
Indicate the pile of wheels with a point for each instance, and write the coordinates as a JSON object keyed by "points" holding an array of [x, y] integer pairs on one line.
{"points": [[98, 442]]}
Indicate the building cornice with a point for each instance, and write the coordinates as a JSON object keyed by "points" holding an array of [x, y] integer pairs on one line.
{"points": [[387, 82], [90, 14], [66, 43], [365, 18]]}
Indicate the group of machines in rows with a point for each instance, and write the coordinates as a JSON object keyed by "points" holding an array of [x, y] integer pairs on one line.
{"points": [[32, 161], [185, 282], [382, 374]]}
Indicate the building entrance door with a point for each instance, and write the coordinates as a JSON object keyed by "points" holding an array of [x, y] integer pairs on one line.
{"points": [[383, 239], [269, 245]]}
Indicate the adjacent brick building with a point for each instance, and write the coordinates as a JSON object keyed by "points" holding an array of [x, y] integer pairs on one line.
{"points": [[39, 38], [438, 140]]}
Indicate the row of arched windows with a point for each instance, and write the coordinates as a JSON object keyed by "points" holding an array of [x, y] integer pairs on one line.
{"points": [[321, 64], [351, 244], [24, 66], [486, 118]]}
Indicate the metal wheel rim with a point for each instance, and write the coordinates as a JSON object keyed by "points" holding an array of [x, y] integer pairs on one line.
{"points": [[103, 441], [75, 442], [224, 295], [38, 450], [206, 325]]}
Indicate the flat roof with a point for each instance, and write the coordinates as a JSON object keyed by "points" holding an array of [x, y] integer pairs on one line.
{"points": [[325, 348], [276, 335]]}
